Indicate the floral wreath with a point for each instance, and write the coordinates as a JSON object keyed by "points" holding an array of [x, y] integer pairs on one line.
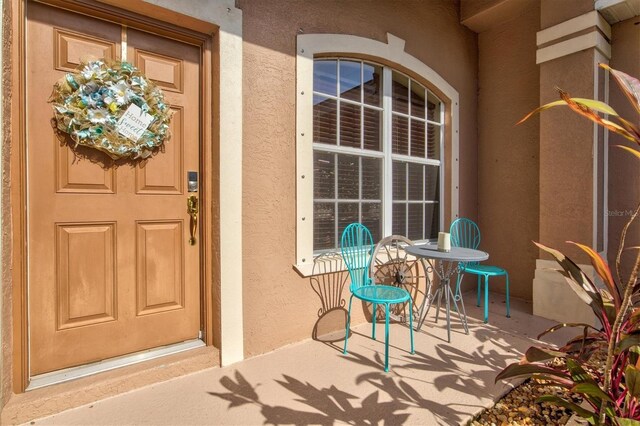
{"points": [[112, 107]]}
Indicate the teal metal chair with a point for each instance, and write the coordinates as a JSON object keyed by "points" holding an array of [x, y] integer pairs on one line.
{"points": [[465, 233], [357, 248]]}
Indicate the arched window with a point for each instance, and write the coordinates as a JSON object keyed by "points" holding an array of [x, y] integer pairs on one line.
{"points": [[376, 142], [374, 128]]}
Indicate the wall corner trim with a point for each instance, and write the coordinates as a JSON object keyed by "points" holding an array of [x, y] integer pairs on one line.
{"points": [[572, 26], [590, 40], [229, 19]]}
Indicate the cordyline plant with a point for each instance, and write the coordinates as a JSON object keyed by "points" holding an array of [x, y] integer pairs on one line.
{"points": [[614, 394]]}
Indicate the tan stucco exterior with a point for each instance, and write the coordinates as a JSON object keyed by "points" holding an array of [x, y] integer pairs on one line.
{"points": [[566, 164], [520, 183], [508, 155], [280, 306], [553, 12], [5, 127]]}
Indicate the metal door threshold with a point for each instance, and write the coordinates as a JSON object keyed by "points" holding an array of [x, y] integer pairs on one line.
{"points": [[73, 373]]}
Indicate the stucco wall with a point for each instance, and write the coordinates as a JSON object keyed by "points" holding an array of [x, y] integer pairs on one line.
{"points": [[624, 177], [5, 131], [554, 12], [566, 162], [566, 142], [279, 306], [469, 8], [508, 155]]}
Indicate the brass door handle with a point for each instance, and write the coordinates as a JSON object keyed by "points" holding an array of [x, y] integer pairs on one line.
{"points": [[192, 209]]}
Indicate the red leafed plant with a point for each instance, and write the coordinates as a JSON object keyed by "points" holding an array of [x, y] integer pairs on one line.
{"points": [[614, 394]]}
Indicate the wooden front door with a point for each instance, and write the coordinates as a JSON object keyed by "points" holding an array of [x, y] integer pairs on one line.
{"points": [[110, 267]]}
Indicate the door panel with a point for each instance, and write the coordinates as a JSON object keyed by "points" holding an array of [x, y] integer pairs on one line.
{"points": [[160, 281], [72, 47], [165, 71], [164, 175], [85, 274], [111, 270], [83, 176]]}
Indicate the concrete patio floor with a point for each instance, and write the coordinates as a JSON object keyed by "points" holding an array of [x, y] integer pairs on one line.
{"points": [[313, 383]]}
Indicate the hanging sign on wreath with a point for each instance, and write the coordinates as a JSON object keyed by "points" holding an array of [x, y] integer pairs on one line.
{"points": [[112, 107]]}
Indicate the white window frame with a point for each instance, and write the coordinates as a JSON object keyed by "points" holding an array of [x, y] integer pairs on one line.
{"points": [[309, 46]]}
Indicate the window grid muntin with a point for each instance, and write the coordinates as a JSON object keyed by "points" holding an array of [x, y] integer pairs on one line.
{"points": [[385, 152], [422, 119], [336, 201], [406, 200]]}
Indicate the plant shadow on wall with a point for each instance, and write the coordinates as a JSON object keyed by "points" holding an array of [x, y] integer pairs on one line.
{"points": [[613, 393]]}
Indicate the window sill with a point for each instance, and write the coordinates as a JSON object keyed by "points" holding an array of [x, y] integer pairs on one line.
{"points": [[331, 262], [325, 263]]}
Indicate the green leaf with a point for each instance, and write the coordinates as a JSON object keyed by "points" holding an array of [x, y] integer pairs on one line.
{"points": [[603, 271], [627, 342], [596, 105], [634, 316], [593, 390], [632, 380], [590, 114], [627, 422], [588, 103], [536, 354], [540, 109], [527, 370], [577, 280], [556, 400], [578, 374]]}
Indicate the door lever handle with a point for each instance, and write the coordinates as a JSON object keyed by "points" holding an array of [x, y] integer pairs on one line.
{"points": [[192, 209]]}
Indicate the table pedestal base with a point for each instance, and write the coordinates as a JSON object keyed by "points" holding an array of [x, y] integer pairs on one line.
{"points": [[445, 288]]}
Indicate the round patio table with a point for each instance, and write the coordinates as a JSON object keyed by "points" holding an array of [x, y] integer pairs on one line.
{"points": [[444, 265]]}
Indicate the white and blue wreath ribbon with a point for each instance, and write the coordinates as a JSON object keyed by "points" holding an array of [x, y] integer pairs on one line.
{"points": [[89, 102]]}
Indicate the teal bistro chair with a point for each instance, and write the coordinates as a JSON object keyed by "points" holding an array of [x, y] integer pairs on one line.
{"points": [[357, 248], [465, 233]]}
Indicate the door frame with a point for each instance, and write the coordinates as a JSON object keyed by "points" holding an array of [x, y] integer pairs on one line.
{"points": [[146, 17]]}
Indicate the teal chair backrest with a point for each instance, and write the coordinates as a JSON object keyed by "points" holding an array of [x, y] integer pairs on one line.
{"points": [[464, 233], [356, 246]]}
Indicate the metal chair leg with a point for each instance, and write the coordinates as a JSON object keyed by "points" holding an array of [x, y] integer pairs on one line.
{"points": [[486, 299], [346, 332], [508, 307], [386, 337], [374, 317], [411, 324], [478, 304], [447, 299]]}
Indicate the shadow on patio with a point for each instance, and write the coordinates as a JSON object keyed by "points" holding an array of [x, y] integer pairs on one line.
{"points": [[313, 383]]}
